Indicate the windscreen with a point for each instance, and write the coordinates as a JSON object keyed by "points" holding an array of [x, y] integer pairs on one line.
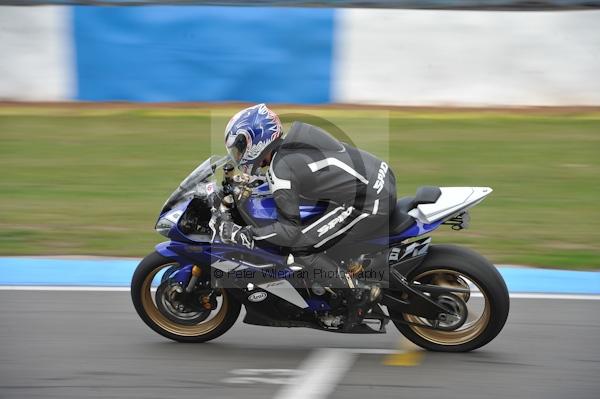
{"points": [[204, 173]]}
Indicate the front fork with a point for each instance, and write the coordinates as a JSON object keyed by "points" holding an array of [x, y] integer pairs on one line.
{"points": [[196, 273]]}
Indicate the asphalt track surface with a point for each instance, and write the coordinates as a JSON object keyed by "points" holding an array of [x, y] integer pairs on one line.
{"points": [[92, 345]]}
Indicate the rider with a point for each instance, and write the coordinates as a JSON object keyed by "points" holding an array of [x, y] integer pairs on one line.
{"points": [[310, 164]]}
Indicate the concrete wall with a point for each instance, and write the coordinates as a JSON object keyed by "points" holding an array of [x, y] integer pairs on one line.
{"points": [[467, 57], [36, 53], [404, 57]]}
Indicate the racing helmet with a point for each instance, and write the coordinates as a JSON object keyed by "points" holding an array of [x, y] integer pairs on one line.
{"points": [[250, 136]]}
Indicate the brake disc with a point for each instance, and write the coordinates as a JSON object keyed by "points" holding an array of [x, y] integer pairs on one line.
{"points": [[179, 307]]}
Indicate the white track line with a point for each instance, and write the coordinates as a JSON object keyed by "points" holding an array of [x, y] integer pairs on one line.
{"points": [[319, 374], [58, 288], [580, 297], [535, 295], [514, 295]]}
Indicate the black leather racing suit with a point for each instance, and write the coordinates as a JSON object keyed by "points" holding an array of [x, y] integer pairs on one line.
{"points": [[311, 166]]}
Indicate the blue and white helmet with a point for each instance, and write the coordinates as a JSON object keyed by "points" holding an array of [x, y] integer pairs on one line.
{"points": [[250, 135]]}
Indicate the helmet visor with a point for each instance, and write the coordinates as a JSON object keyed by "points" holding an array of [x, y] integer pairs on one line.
{"points": [[236, 147]]}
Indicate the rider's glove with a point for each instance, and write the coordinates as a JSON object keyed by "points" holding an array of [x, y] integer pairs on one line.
{"points": [[233, 233]]}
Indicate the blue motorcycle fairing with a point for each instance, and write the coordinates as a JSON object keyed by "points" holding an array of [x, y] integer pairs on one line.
{"points": [[187, 252], [201, 253], [318, 304], [175, 233], [264, 208], [174, 251], [206, 254], [415, 230]]}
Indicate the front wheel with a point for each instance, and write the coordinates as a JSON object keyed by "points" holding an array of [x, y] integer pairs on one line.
{"points": [[482, 301], [162, 305]]}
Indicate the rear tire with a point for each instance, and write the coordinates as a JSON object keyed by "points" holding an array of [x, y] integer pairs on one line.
{"points": [[223, 319], [455, 261]]}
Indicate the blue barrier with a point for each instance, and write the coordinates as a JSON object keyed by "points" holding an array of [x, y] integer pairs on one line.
{"points": [[118, 272], [69, 272], [169, 53], [435, 4]]}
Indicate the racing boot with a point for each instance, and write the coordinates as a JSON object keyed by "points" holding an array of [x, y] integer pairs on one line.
{"points": [[359, 301]]}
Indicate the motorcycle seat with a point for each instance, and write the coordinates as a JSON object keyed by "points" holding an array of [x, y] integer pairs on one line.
{"points": [[400, 220]]}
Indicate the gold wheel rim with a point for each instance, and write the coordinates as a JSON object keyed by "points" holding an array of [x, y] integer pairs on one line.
{"points": [[459, 336], [163, 322]]}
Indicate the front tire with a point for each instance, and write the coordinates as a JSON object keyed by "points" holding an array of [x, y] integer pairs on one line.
{"points": [[211, 327], [448, 265]]}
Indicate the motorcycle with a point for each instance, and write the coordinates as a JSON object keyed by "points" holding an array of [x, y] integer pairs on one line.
{"points": [[192, 287]]}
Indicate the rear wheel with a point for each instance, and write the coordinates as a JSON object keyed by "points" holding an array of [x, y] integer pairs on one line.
{"points": [[164, 306], [478, 312]]}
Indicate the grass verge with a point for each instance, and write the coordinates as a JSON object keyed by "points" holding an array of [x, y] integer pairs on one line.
{"points": [[91, 180]]}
